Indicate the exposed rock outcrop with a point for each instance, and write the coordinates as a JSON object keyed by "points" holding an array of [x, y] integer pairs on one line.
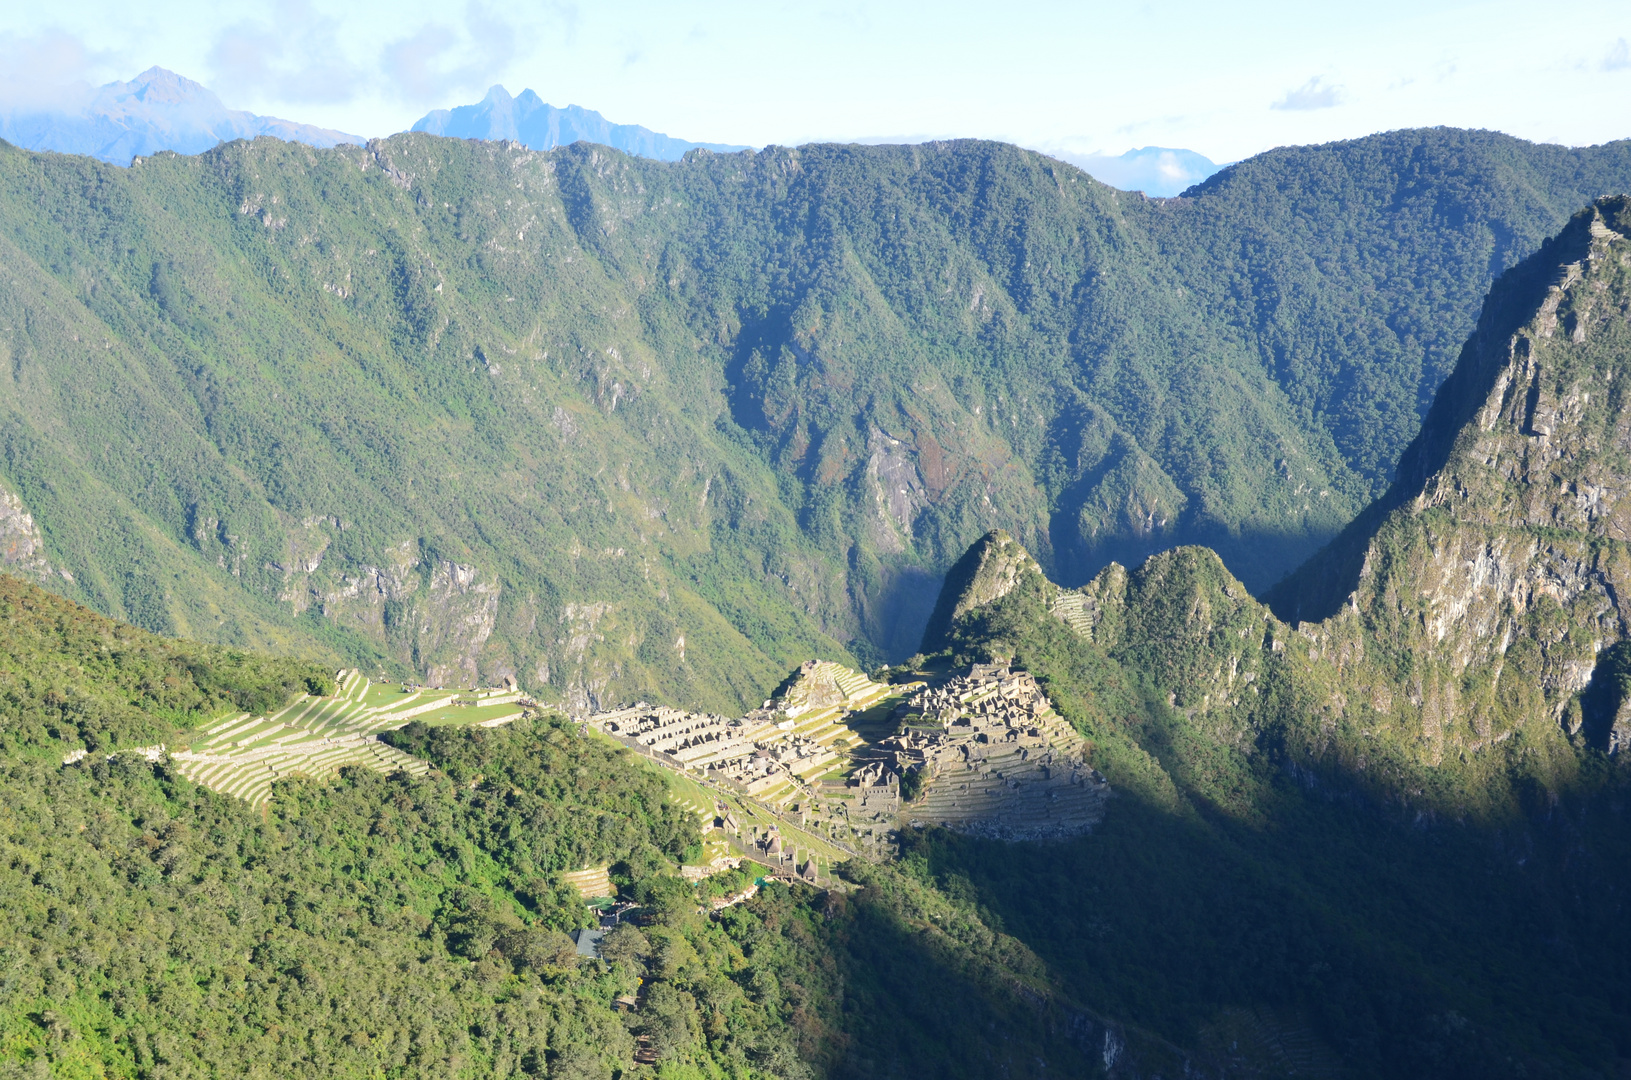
{"points": [[986, 572], [1480, 594], [22, 547], [456, 615], [434, 614]]}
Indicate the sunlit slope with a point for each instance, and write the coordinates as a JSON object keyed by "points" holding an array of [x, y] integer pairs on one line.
{"points": [[315, 737], [271, 438], [628, 429], [78, 683]]}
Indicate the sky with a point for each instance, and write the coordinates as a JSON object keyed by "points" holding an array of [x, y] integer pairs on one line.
{"points": [[1226, 80]]}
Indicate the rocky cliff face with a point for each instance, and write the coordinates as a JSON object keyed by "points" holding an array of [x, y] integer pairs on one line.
{"points": [[988, 571], [1498, 574], [746, 407], [1477, 600], [22, 547]]}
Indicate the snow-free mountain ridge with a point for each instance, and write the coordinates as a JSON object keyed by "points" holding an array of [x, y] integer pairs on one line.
{"points": [[529, 120], [157, 110]]}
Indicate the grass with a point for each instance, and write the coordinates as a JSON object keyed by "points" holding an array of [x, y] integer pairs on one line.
{"points": [[243, 755]]}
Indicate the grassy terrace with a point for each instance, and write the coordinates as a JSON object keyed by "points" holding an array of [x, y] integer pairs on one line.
{"points": [[243, 755], [701, 796]]}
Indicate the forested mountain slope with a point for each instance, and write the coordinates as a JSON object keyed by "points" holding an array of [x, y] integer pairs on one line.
{"points": [[632, 428], [1393, 833], [410, 925], [73, 679]]}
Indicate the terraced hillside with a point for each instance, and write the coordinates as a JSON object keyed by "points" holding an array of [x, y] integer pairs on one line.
{"points": [[994, 759], [332, 932], [766, 778], [817, 774], [315, 737]]}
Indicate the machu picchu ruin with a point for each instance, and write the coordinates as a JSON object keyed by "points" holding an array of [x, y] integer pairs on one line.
{"points": [[795, 782], [996, 759]]}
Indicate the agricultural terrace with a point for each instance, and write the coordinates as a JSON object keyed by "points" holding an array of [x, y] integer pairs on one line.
{"points": [[244, 755]]}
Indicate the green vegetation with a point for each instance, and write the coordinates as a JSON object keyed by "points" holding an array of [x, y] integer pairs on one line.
{"points": [[1270, 858], [1387, 835], [244, 755], [399, 925], [625, 428], [70, 678]]}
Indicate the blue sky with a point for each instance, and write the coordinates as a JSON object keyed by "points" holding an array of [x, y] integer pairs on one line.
{"points": [[1227, 80]]}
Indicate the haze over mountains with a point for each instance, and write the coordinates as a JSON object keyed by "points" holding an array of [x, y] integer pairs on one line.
{"points": [[529, 121], [160, 110], [1155, 170], [156, 110]]}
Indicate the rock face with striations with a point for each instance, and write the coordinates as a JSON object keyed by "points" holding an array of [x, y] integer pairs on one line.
{"points": [[1482, 595], [1496, 566]]}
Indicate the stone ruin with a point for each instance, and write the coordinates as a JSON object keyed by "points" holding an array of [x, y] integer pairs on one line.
{"points": [[759, 752], [986, 751], [777, 750], [994, 759]]}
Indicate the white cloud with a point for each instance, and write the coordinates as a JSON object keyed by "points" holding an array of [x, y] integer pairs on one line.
{"points": [[441, 60], [295, 58], [1316, 93], [1619, 57], [45, 72]]}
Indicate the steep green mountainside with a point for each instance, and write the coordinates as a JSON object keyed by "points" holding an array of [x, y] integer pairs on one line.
{"points": [[416, 926], [626, 428], [1355, 269], [72, 679], [1386, 841], [1394, 836]]}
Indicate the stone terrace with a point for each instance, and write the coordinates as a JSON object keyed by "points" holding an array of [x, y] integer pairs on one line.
{"points": [[773, 753], [317, 736], [997, 760]]}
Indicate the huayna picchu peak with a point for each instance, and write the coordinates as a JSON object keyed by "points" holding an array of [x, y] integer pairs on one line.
{"points": [[1479, 596]]}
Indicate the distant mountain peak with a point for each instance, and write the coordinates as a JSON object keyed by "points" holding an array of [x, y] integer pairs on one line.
{"points": [[161, 86], [529, 120], [156, 110], [1162, 171]]}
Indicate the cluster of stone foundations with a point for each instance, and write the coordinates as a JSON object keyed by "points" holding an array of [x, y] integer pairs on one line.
{"points": [[993, 759], [984, 751]]}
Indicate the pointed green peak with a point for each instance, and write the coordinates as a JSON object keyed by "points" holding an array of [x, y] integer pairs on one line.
{"points": [[987, 572]]}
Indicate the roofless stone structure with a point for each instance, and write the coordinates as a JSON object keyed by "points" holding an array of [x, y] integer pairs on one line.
{"points": [[984, 750]]}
